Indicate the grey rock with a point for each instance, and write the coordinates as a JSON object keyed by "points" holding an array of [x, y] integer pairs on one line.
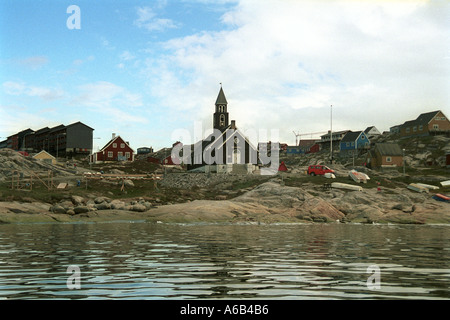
{"points": [[77, 200], [81, 209]]}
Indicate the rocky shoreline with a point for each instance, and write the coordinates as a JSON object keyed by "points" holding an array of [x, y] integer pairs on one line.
{"points": [[269, 202]]}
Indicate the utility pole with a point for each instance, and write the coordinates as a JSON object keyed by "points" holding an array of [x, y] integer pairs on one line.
{"points": [[404, 162], [331, 134]]}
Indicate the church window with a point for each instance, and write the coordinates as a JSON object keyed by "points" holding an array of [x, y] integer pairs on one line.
{"points": [[222, 120]]}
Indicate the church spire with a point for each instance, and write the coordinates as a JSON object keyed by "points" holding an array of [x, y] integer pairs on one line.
{"points": [[221, 115], [221, 97]]}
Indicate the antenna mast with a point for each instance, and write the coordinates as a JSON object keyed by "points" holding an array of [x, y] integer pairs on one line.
{"points": [[296, 136]]}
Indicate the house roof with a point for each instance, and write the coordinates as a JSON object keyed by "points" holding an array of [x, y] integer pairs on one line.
{"points": [[351, 136], [45, 153], [221, 98], [307, 142], [368, 129], [423, 118], [42, 130], [57, 128], [388, 149], [79, 122], [208, 143], [112, 140], [335, 133]]}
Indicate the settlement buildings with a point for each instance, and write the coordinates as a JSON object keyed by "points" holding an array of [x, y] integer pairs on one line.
{"points": [[385, 155], [354, 141], [226, 150], [116, 149], [60, 141], [430, 123]]}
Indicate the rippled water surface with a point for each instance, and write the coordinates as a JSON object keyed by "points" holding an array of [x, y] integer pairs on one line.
{"points": [[160, 261]]}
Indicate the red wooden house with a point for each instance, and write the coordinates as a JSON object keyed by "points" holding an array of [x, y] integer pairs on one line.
{"points": [[116, 149]]}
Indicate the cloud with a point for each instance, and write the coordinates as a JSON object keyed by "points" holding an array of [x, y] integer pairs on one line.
{"points": [[147, 20], [79, 62], [33, 63], [20, 88], [112, 100], [378, 64], [21, 119], [126, 55]]}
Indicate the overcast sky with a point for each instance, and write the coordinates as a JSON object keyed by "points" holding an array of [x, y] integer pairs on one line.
{"points": [[143, 69]]}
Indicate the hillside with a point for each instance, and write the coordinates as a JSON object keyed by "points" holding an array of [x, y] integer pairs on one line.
{"points": [[180, 196]]}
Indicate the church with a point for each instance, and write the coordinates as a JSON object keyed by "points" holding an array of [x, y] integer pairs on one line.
{"points": [[227, 149]]}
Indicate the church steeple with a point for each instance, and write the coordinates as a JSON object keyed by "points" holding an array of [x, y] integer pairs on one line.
{"points": [[221, 113], [221, 97]]}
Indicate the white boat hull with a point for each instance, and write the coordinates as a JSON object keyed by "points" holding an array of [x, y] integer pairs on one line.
{"points": [[445, 183], [339, 185], [428, 186], [358, 176], [417, 188]]}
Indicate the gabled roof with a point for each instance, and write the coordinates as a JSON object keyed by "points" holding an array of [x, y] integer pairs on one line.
{"points": [[307, 142], [221, 98], [388, 149], [335, 132], [57, 128], [368, 129], [112, 140], [42, 130], [44, 152], [351, 136], [79, 122], [422, 119]]}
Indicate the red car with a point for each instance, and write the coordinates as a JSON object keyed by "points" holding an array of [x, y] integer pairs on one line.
{"points": [[319, 170]]}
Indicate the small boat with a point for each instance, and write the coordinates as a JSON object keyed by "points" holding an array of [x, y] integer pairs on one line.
{"points": [[339, 185], [441, 197], [417, 188], [358, 176], [445, 183], [428, 186]]}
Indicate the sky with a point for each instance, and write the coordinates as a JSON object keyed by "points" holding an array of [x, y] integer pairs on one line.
{"points": [[151, 70]]}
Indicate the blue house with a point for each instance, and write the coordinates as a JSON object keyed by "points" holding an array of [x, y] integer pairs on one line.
{"points": [[294, 150], [354, 140]]}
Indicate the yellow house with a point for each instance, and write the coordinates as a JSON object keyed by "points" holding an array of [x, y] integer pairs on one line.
{"points": [[45, 156]]}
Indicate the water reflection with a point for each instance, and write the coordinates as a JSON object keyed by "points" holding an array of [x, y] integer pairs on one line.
{"points": [[156, 261]]}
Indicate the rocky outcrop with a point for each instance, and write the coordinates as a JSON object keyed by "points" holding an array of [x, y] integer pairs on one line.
{"points": [[269, 202], [12, 162], [79, 205]]}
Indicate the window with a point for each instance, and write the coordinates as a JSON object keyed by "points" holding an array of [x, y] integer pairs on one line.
{"points": [[348, 144], [388, 159], [435, 126], [119, 154], [420, 127], [127, 155], [222, 120], [414, 129], [122, 145], [114, 145], [407, 130], [363, 137], [110, 154]]}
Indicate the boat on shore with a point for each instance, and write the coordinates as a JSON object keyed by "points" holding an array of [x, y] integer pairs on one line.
{"points": [[416, 187], [358, 176], [340, 185], [441, 197], [428, 186], [445, 183]]}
